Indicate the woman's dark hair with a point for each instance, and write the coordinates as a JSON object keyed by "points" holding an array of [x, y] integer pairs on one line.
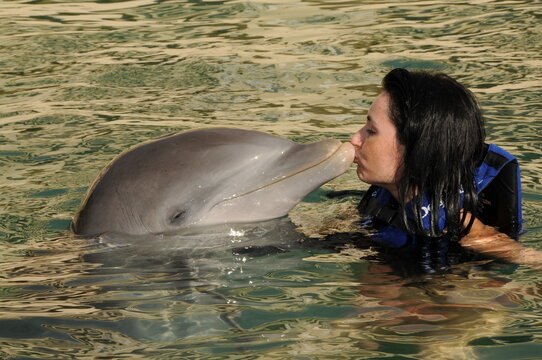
{"points": [[440, 125]]}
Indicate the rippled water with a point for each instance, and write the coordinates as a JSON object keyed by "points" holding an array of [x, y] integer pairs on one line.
{"points": [[81, 81]]}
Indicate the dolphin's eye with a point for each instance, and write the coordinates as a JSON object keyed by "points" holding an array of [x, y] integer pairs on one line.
{"points": [[178, 216]]}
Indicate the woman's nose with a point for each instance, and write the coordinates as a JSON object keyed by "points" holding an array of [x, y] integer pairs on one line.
{"points": [[356, 139]]}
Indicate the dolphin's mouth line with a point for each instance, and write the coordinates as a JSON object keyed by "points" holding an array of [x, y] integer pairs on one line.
{"points": [[235, 196]]}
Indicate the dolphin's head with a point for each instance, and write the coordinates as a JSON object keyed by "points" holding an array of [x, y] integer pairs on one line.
{"points": [[205, 177]]}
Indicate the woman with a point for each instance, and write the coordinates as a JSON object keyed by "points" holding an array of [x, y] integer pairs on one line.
{"points": [[434, 180]]}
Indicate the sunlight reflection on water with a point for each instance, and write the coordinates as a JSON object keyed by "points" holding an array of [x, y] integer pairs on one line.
{"points": [[82, 81]]}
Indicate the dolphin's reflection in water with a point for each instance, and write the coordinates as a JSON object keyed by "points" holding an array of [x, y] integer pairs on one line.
{"points": [[174, 281]]}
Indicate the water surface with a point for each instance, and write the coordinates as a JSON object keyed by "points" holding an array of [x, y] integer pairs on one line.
{"points": [[82, 81]]}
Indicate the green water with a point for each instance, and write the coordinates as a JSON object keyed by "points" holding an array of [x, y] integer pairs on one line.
{"points": [[82, 81]]}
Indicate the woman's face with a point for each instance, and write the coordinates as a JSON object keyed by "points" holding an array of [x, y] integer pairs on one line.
{"points": [[378, 153]]}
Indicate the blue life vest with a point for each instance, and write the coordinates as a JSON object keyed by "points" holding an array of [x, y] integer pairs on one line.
{"points": [[498, 186]]}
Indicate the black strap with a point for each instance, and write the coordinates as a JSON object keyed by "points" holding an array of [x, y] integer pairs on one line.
{"points": [[388, 213]]}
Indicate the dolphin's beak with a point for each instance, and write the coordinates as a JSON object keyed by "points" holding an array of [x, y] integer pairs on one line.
{"points": [[316, 164], [336, 161]]}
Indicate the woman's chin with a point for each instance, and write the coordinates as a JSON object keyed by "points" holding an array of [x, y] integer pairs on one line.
{"points": [[362, 177]]}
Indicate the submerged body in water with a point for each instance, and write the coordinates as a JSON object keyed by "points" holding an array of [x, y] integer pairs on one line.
{"points": [[188, 271]]}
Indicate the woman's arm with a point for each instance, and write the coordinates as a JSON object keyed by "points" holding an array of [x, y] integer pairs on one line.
{"points": [[489, 241]]}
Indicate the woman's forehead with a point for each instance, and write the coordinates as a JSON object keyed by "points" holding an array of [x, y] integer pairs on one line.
{"points": [[379, 112]]}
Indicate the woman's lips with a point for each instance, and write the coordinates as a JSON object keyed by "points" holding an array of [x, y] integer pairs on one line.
{"points": [[356, 160]]}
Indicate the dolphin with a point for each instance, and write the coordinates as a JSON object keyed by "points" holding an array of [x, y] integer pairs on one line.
{"points": [[206, 177]]}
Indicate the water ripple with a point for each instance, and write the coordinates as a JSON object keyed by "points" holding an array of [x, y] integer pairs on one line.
{"points": [[82, 81]]}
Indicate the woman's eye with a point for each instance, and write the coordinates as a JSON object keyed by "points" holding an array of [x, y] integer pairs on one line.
{"points": [[371, 132]]}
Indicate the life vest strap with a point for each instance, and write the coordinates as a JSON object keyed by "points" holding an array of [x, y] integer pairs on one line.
{"points": [[371, 205]]}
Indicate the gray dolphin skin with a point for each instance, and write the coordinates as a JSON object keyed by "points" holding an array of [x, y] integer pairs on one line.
{"points": [[206, 177]]}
